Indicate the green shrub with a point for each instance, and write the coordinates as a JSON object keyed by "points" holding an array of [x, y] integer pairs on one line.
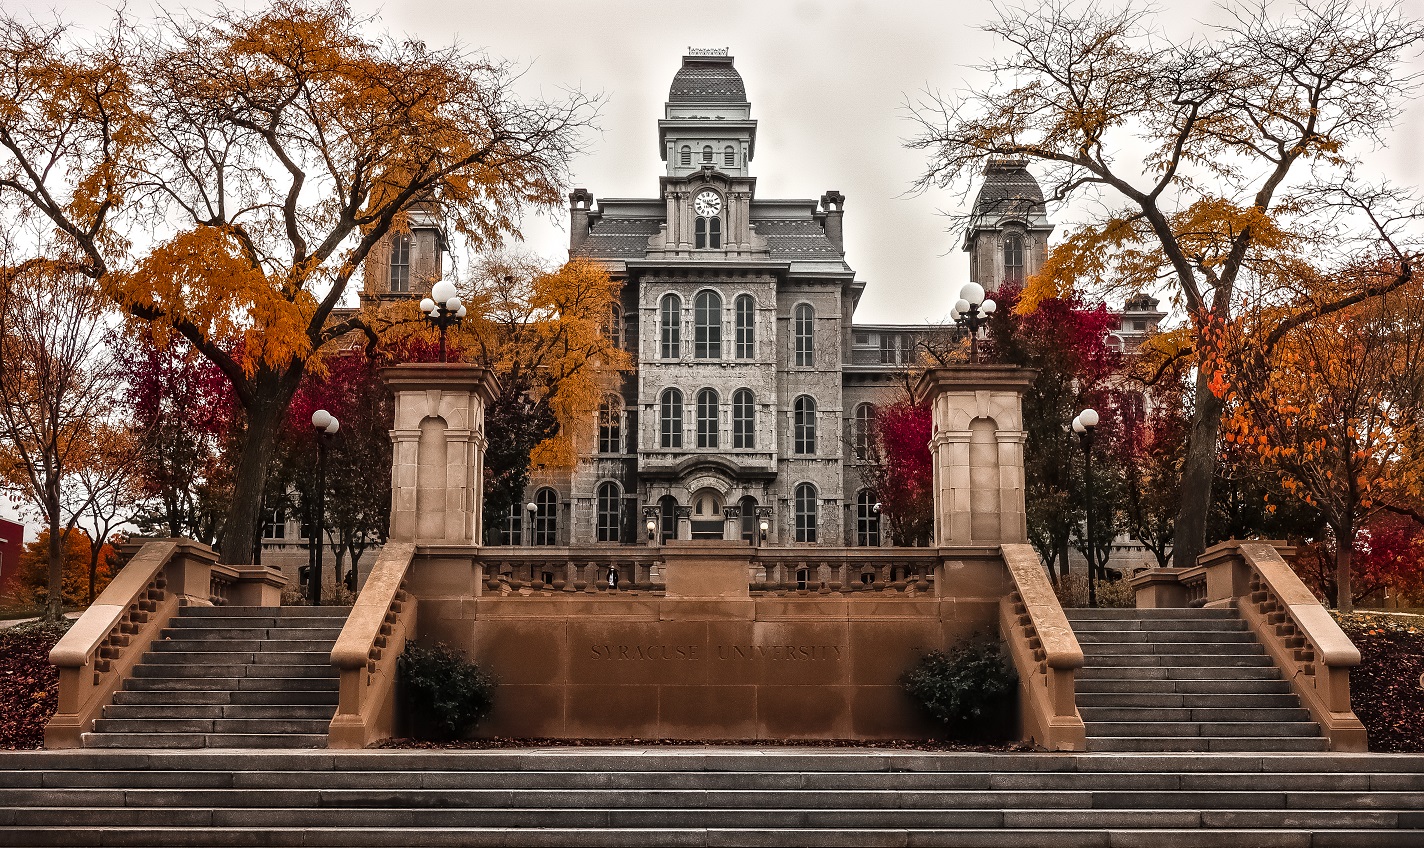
{"points": [[970, 689], [445, 694]]}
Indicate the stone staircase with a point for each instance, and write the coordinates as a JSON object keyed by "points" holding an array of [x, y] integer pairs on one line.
{"points": [[230, 677], [704, 797], [1183, 680]]}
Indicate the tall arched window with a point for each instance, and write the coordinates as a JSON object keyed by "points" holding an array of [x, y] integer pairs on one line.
{"points": [[671, 326], [671, 419], [746, 327], [707, 154], [806, 513], [729, 156], [707, 326], [804, 426], [743, 419], [1013, 258], [867, 519], [613, 326], [687, 155], [864, 430], [610, 513], [546, 517], [400, 263], [610, 424], [707, 232], [707, 408], [511, 529], [804, 334]]}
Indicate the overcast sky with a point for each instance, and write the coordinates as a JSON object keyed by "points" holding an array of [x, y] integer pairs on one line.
{"points": [[827, 82]]}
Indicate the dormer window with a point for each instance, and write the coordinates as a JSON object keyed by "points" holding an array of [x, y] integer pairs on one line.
{"points": [[686, 156], [400, 263], [707, 154]]}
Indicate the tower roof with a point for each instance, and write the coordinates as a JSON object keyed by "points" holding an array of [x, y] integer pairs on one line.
{"points": [[707, 76], [1009, 191]]}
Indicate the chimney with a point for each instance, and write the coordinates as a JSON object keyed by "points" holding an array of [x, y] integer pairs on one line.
{"points": [[580, 204], [833, 207]]}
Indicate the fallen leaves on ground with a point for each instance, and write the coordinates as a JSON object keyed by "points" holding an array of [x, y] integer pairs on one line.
{"points": [[29, 685], [1386, 690]]}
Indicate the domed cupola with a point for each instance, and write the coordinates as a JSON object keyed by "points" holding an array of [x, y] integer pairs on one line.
{"points": [[708, 120], [1007, 237]]}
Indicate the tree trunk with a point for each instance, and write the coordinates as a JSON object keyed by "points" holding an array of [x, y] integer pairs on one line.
{"points": [[264, 420], [94, 551], [54, 604], [1198, 472], [1344, 559]]}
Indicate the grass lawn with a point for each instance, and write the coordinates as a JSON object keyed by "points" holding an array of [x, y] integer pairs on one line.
{"points": [[1387, 690]]}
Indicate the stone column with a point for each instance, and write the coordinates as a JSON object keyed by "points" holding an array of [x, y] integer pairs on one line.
{"points": [[437, 474], [959, 396]]}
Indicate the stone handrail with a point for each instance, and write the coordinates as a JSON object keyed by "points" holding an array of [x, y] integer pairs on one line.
{"points": [[1298, 632], [367, 649], [111, 636], [1045, 653], [893, 571]]}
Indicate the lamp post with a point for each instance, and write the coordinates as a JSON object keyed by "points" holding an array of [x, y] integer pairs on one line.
{"points": [[326, 426], [531, 508], [972, 312], [763, 523], [442, 309], [650, 522], [1085, 425]]}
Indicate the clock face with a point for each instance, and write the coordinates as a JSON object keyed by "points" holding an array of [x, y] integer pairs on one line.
{"points": [[707, 204]]}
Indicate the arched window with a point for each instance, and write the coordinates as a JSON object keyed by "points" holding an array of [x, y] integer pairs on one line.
{"points": [[707, 154], [707, 407], [672, 327], [511, 529], [804, 435], [707, 326], [707, 232], [804, 334], [546, 517], [610, 513], [867, 519], [671, 419], [864, 430], [746, 327], [610, 424], [749, 525], [743, 419], [400, 263], [1013, 259], [613, 326], [806, 510], [687, 155], [729, 156]]}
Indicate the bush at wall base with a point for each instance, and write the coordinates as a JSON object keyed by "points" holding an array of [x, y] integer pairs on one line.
{"points": [[444, 694], [970, 689]]}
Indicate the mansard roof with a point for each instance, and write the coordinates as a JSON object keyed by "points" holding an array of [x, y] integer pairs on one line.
{"points": [[707, 79], [1009, 191], [614, 236]]}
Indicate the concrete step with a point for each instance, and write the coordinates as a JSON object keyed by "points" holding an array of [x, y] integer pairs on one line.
{"points": [[1186, 714], [1169, 700], [1158, 685], [291, 622], [1179, 672], [310, 634], [217, 711], [1160, 744], [327, 696], [1170, 637], [279, 612], [1180, 625], [227, 684], [1176, 660], [1202, 728], [1076, 614], [243, 645], [233, 657], [228, 671], [204, 740], [1095, 651], [243, 726]]}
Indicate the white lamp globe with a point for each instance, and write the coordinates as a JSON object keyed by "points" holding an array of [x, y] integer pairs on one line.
{"points": [[1089, 417], [530, 506], [972, 292], [961, 306], [452, 305], [427, 305], [443, 291], [321, 419], [1078, 425], [332, 427], [765, 527], [988, 307], [460, 313]]}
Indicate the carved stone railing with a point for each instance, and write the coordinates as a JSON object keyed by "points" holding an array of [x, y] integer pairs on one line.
{"points": [[1045, 653], [886, 571], [367, 649], [105, 643], [542, 570]]}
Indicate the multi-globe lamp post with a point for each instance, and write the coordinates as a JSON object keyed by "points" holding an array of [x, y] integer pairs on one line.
{"points": [[442, 309], [972, 313], [326, 426], [1085, 425]]}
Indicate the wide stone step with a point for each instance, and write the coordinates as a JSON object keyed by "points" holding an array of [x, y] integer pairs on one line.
{"points": [[241, 645], [249, 671], [202, 740], [209, 725], [282, 622], [1179, 672], [1171, 637], [1160, 744], [323, 635], [1076, 614], [278, 612], [226, 684], [1094, 651], [217, 711], [327, 696], [1185, 714], [1171, 700], [1201, 728], [1180, 625], [233, 657], [1235, 659], [1269, 685]]}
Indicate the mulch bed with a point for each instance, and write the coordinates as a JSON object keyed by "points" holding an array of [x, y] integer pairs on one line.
{"points": [[29, 685], [892, 744], [1386, 689]]}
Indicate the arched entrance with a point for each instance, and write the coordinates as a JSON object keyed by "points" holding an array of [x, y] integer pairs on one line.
{"points": [[707, 519], [667, 518]]}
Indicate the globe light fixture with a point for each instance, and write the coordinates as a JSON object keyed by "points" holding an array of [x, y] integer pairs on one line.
{"points": [[443, 308], [971, 311], [1085, 425], [326, 426]]}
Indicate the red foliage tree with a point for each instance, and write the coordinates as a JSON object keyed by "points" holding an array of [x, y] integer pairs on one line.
{"points": [[900, 472]]}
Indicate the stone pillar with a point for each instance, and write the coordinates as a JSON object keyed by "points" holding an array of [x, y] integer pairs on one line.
{"points": [[977, 503], [437, 465]]}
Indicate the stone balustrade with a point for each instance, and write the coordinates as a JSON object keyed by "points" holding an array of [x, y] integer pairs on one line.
{"points": [[367, 650], [1045, 653]]}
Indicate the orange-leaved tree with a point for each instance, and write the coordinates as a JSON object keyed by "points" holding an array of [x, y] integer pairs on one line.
{"points": [[264, 156], [1332, 407], [1195, 154]]}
